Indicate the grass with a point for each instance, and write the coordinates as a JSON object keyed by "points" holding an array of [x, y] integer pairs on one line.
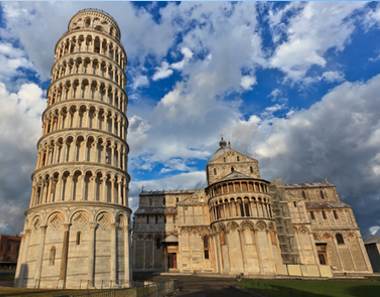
{"points": [[313, 288]]}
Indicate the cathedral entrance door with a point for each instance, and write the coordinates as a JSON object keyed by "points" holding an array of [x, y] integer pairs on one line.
{"points": [[172, 261]]}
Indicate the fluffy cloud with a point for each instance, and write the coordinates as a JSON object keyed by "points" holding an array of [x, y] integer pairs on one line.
{"points": [[311, 32], [337, 138], [162, 71], [141, 34], [247, 82], [213, 46], [12, 61], [19, 130], [333, 76]]}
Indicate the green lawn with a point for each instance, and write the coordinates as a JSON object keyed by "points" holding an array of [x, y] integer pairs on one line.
{"points": [[313, 288]]}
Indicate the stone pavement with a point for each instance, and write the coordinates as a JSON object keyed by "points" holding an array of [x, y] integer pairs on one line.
{"points": [[195, 286]]}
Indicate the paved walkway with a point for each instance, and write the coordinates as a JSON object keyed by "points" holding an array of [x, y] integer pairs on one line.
{"points": [[193, 286]]}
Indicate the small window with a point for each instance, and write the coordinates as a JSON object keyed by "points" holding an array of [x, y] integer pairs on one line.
{"points": [[335, 215], [52, 256], [158, 243], [224, 159], [324, 214], [238, 158], [205, 247], [214, 171], [322, 194], [312, 215], [232, 169], [303, 194], [78, 238], [295, 203], [147, 219], [156, 219], [322, 259], [339, 238], [177, 199], [251, 169]]}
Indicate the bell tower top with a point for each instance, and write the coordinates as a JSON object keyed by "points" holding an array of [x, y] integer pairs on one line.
{"points": [[94, 19]]}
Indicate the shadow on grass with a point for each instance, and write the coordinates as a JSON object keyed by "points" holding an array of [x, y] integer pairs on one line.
{"points": [[278, 291], [364, 291], [329, 289]]}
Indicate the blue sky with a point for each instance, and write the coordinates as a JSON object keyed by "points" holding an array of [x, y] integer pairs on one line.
{"points": [[296, 85]]}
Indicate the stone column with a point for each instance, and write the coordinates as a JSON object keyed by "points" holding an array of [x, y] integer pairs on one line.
{"points": [[92, 188], [58, 190], [39, 263], [91, 255], [65, 252], [258, 249], [127, 267], [113, 189], [104, 189], [242, 250], [113, 264]]}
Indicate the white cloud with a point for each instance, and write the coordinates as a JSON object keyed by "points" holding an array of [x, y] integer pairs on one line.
{"points": [[374, 230], [337, 138], [162, 72], [140, 81], [311, 32], [12, 61], [372, 18], [19, 129], [141, 34], [332, 76], [187, 55], [247, 82]]}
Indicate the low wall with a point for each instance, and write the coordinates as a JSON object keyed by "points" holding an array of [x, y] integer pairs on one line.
{"points": [[309, 270]]}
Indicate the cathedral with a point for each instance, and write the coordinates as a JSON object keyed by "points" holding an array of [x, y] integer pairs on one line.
{"points": [[242, 224]]}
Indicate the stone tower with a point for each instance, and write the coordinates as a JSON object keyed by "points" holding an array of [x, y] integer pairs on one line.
{"points": [[76, 232]]}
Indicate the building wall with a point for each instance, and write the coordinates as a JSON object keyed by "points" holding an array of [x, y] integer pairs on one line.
{"points": [[331, 223], [75, 247], [241, 224], [373, 250], [230, 161]]}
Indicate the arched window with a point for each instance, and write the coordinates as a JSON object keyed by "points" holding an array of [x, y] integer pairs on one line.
{"points": [[232, 169], [78, 238], [87, 22], [52, 256], [205, 247], [335, 215], [339, 238], [246, 207], [324, 215]]}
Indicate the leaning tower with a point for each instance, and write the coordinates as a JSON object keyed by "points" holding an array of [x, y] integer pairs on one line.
{"points": [[76, 232]]}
